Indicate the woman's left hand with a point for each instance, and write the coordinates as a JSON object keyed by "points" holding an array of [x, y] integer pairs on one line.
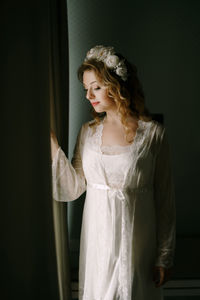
{"points": [[54, 145], [161, 275]]}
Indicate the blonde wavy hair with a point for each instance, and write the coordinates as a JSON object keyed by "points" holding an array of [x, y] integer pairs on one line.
{"points": [[128, 95]]}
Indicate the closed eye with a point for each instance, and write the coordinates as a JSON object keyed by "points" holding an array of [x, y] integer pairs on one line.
{"points": [[95, 89]]}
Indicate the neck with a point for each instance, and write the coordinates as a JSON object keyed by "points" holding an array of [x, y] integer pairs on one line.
{"points": [[112, 117]]}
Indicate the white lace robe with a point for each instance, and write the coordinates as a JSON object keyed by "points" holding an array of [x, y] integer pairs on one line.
{"points": [[128, 223]]}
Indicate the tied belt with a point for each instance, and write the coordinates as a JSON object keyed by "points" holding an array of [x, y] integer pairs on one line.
{"points": [[120, 193]]}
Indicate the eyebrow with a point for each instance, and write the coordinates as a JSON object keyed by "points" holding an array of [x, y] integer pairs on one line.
{"points": [[90, 83]]}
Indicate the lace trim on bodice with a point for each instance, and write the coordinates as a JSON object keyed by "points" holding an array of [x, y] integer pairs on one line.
{"points": [[95, 140], [115, 149]]}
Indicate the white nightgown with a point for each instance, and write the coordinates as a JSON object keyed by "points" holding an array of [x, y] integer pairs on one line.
{"points": [[128, 224]]}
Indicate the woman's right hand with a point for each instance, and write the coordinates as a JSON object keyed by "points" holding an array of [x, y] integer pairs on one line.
{"points": [[54, 145]]}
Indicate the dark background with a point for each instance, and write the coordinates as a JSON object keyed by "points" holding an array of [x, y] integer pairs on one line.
{"points": [[162, 38]]}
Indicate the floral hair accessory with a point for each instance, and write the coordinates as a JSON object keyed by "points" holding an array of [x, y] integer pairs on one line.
{"points": [[110, 59]]}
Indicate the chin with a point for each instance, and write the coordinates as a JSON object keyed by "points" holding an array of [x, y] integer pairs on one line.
{"points": [[98, 110]]}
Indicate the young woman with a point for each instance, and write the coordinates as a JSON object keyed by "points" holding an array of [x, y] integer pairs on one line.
{"points": [[122, 160]]}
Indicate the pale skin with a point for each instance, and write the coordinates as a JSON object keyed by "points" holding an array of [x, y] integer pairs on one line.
{"points": [[113, 134]]}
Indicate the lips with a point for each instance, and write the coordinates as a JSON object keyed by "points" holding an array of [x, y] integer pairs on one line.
{"points": [[95, 103]]}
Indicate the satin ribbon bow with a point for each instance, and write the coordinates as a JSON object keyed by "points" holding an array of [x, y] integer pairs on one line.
{"points": [[119, 193]]}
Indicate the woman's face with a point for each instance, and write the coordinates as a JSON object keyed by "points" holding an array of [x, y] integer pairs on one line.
{"points": [[97, 93]]}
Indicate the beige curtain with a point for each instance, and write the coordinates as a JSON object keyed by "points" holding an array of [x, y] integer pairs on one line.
{"points": [[59, 124]]}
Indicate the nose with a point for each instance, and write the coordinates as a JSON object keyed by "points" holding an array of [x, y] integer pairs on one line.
{"points": [[90, 94]]}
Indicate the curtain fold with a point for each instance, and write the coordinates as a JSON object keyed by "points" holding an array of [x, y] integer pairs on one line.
{"points": [[27, 251], [59, 94]]}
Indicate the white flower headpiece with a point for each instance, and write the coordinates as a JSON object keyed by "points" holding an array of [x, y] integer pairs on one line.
{"points": [[111, 60]]}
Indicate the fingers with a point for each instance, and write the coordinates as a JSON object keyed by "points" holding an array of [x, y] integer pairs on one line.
{"points": [[52, 134], [53, 138], [54, 145], [159, 276]]}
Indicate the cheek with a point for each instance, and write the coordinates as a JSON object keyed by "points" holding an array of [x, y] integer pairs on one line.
{"points": [[107, 98], [110, 101]]}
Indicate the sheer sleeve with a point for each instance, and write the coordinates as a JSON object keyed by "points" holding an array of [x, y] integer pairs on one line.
{"points": [[68, 180], [165, 205]]}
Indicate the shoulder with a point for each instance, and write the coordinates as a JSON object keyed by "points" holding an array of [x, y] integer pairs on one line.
{"points": [[156, 129], [87, 125], [155, 133], [85, 128], [159, 137]]}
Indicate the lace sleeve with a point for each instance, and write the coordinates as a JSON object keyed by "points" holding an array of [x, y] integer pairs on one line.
{"points": [[165, 205], [68, 180]]}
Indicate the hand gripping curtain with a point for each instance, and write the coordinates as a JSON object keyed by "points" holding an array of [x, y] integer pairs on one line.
{"points": [[59, 124]]}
